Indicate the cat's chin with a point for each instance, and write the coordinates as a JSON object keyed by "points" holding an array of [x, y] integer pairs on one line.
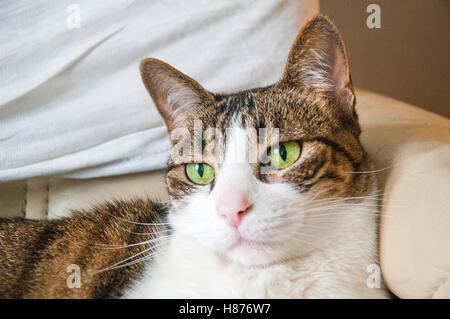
{"points": [[253, 253]]}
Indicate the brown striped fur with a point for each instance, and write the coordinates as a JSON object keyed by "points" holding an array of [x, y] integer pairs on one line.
{"points": [[35, 254]]}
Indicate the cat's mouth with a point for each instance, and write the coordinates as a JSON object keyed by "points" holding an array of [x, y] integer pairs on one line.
{"points": [[253, 252], [250, 243]]}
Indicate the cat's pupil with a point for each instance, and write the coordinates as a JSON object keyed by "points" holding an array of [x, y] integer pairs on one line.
{"points": [[200, 169], [283, 152]]}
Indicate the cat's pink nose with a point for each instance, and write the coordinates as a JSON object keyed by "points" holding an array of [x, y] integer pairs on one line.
{"points": [[233, 209]]}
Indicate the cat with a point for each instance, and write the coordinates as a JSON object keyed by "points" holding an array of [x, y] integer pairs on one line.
{"points": [[299, 220]]}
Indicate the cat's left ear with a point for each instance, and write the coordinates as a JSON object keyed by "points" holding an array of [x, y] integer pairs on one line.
{"points": [[318, 60]]}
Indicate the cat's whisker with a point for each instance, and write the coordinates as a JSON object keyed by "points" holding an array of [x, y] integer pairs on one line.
{"points": [[354, 213], [158, 239], [341, 207], [144, 233], [372, 171], [141, 259], [154, 246], [124, 260], [136, 223], [361, 204], [119, 264], [345, 199], [377, 194], [297, 240], [313, 237], [320, 192]]}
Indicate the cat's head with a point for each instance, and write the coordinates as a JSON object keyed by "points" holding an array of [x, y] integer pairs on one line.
{"points": [[249, 171]]}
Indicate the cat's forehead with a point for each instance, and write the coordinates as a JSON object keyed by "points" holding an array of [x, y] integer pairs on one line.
{"points": [[235, 109], [269, 115], [291, 111]]}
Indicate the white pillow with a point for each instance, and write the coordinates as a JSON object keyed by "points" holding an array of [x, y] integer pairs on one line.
{"points": [[71, 99]]}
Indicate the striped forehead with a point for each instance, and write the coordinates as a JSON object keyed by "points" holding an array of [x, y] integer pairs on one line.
{"points": [[235, 109]]}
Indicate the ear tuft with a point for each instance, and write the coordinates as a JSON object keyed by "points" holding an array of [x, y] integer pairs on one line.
{"points": [[318, 60], [175, 95]]}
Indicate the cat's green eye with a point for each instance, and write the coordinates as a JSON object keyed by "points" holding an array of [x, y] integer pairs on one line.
{"points": [[200, 173], [284, 155]]}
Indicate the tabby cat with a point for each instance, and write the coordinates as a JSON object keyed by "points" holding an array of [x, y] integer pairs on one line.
{"points": [[251, 217]]}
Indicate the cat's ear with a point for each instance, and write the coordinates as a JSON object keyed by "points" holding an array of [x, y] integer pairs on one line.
{"points": [[318, 59], [175, 95]]}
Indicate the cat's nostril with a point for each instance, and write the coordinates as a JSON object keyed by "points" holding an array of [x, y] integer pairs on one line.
{"points": [[241, 213], [233, 215]]}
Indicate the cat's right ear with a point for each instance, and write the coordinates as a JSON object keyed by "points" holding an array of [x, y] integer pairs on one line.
{"points": [[175, 95], [318, 60]]}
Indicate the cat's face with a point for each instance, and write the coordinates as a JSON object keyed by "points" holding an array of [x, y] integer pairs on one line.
{"points": [[249, 170]]}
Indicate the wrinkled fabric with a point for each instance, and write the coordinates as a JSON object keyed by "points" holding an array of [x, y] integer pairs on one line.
{"points": [[72, 103]]}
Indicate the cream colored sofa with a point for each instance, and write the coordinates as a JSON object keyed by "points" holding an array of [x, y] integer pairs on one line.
{"points": [[410, 148]]}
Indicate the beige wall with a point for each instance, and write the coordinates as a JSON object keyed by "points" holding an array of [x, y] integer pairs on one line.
{"points": [[408, 58]]}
